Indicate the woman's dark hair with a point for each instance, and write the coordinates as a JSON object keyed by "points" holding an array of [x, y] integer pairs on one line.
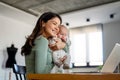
{"points": [[26, 49]]}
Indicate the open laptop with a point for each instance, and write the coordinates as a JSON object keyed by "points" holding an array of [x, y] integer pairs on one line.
{"points": [[112, 61]]}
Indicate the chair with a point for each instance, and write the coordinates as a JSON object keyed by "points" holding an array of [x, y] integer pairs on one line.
{"points": [[20, 72]]}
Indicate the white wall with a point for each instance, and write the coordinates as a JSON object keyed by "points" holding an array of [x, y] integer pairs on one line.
{"points": [[11, 31], [111, 35], [14, 26]]}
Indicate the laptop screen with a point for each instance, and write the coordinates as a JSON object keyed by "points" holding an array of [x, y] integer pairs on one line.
{"points": [[113, 60]]}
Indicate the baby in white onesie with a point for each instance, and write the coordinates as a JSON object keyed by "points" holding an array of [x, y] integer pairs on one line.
{"points": [[63, 35]]}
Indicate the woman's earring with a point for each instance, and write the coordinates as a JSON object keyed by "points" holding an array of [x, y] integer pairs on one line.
{"points": [[43, 26]]}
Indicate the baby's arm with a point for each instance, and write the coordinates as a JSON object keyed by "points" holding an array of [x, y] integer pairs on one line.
{"points": [[67, 62], [56, 59], [59, 57]]}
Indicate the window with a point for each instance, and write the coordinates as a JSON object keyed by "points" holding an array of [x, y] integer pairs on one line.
{"points": [[86, 46]]}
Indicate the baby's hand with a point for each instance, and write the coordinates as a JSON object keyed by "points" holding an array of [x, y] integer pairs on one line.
{"points": [[64, 39], [63, 58], [58, 64]]}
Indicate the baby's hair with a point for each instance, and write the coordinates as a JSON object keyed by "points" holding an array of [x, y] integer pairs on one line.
{"points": [[63, 26]]}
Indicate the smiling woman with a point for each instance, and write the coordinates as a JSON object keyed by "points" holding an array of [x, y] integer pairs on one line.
{"points": [[38, 56]]}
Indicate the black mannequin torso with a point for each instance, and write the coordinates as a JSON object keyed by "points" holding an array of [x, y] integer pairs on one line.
{"points": [[11, 56]]}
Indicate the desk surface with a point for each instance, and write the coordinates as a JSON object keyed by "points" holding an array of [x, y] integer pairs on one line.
{"points": [[75, 76]]}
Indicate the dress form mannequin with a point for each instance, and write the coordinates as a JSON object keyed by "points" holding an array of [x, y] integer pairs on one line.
{"points": [[11, 56]]}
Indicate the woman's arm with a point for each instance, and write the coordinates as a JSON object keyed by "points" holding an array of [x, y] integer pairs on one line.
{"points": [[41, 47]]}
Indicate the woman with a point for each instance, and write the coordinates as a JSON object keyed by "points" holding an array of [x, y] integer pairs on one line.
{"points": [[38, 56]]}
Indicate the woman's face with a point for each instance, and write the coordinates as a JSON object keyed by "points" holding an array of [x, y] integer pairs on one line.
{"points": [[51, 27]]}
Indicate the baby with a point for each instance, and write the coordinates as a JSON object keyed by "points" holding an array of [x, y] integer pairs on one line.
{"points": [[59, 65]]}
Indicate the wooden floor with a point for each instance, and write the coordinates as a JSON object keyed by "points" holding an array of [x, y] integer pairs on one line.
{"points": [[76, 76]]}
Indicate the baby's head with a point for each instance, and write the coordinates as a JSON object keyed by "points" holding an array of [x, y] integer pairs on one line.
{"points": [[63, 33]]}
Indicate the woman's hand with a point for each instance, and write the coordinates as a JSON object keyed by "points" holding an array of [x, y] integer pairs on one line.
{"points": [[58, 45]]}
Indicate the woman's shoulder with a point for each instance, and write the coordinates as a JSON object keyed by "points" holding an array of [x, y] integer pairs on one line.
{"points": [[41, 39]]}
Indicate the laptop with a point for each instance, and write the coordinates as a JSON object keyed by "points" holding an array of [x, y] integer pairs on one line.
{"points": [[112, 61]]}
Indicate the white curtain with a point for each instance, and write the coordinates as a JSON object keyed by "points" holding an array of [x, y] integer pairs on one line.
{"points": [[80, 49]]}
